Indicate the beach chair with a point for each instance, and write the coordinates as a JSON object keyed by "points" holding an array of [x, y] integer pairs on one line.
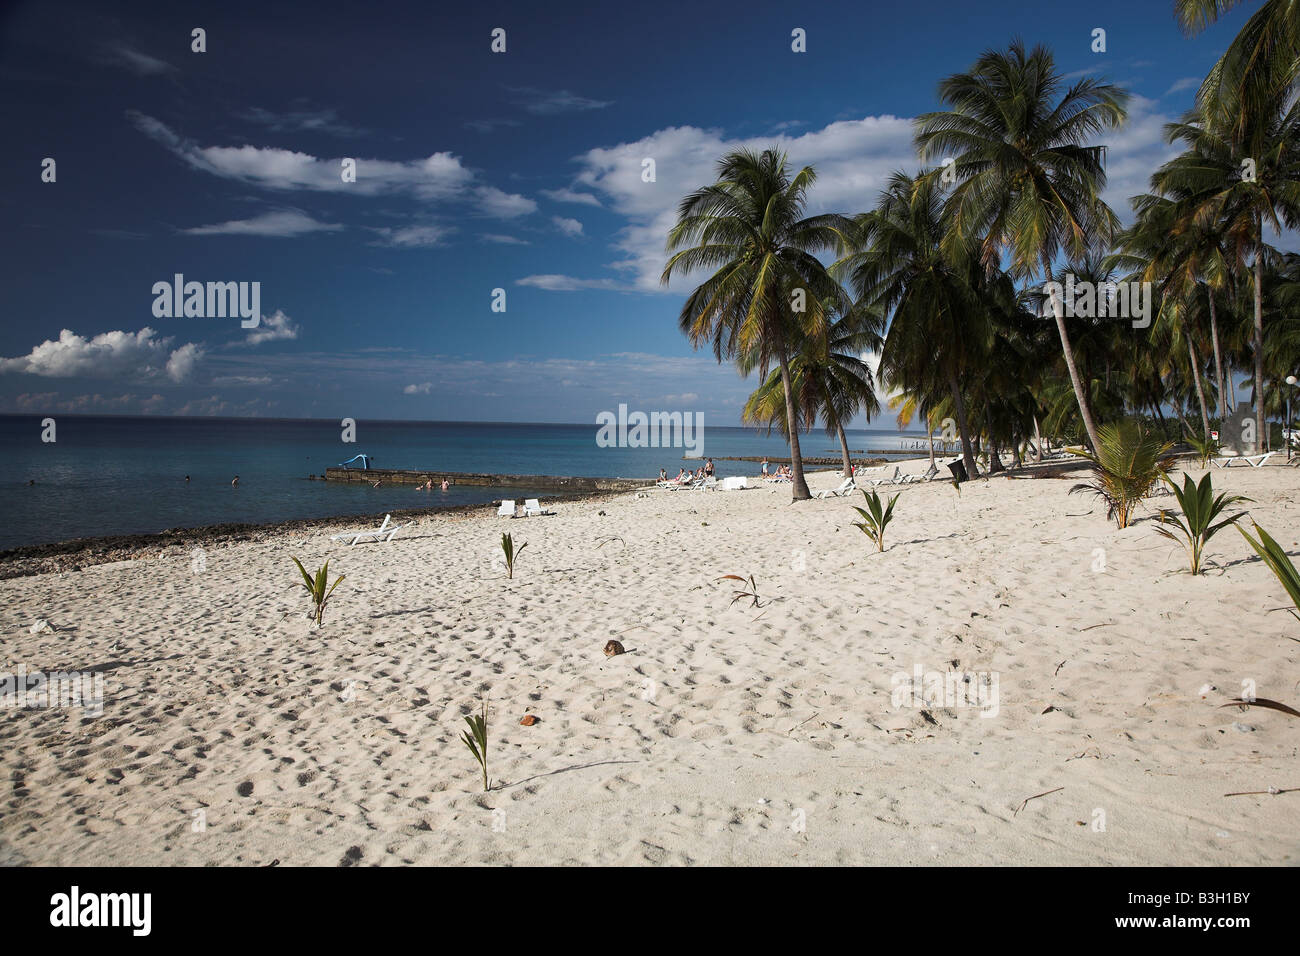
{"points": [[929, 475], [507, 509], [385, 532], [1254, 461], [533, 508], [896, 478], [847, 485]]}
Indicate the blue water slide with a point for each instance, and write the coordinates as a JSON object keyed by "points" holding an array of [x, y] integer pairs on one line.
{"points": [[365, 461]]}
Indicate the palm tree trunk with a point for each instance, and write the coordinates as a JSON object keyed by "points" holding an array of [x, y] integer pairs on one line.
{"points": [[1260, 424], [1038, 443], [800, 484], [931, 430], [1089, 426], [967, 457], [1200, 391], [1218, 361], [995, 457], [844, 450]]}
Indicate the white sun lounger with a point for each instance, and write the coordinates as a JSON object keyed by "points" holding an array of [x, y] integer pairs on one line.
{"points": [[847, 485], [897, 478], [734, 483], [385, 532], [533, 508], [507, 509], [1254, 461]]}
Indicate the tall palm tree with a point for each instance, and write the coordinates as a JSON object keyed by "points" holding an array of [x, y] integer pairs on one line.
{"points": [[1238, 194], [831, 381], [1028, 182], [896, 265], [1260, 64], [768, 291]]}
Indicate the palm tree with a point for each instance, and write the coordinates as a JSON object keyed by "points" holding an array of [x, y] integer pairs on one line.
{"points": [[768, 291], [1028, 185], [829, 380], [896, 264], [1259, 65], [1238, 194]]}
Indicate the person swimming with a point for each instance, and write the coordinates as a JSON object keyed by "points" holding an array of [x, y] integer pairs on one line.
{"points": [[444, 484], [235, 482]]}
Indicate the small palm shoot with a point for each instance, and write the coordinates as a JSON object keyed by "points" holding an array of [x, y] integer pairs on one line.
{"points": [[1277, 562], [1200, 511], [509, 550], [316, 588], [1205, 448], [477, 741], [875, 517]]}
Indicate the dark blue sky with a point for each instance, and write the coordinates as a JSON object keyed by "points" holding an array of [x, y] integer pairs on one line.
{"points": [[476, 171]]}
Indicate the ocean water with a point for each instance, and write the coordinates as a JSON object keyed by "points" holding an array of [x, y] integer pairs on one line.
{"points": [[119, 475]]}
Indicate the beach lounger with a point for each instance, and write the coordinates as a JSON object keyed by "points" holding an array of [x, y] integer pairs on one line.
{"points": [[734, 483], [533, 508], [896, 478], [385, 532], [930, 475], [1254, 461], [847, 485], [507, 509]]}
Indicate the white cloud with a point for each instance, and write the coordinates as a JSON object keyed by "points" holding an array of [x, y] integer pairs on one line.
{"points": [[551, 102], [136, 356], [570, 227], [413, 237], [286, 223], [141, 64], [424, 388], [504, 240], [1186, 83], [437, 176], [272, 328], [503, 205], [306, 121], [561, 283], [571, 195]]}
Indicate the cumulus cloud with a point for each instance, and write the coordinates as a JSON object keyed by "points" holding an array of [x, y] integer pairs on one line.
{"points": [[424, 388], [132, 356], [570, 227], [503, 205], [284, 223], [562, 283], [272, 328]]}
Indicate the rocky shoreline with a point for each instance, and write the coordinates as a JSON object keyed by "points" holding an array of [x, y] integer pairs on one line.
{"points": [[80, 553]]}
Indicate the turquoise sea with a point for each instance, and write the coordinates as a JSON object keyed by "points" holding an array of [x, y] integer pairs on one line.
{"points": [[126, 475]]}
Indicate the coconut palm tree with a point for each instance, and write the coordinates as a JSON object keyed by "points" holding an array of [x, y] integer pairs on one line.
{"points": [[1238, 194], [1260, 64], [830, 380], [1028, 181], [938, 328], [767, 291]]}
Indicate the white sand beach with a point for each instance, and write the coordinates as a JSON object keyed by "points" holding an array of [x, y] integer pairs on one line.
{"points": [[727, 734]]}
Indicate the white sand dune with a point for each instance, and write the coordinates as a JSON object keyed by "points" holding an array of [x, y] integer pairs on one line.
{"points": [[726, 733]]}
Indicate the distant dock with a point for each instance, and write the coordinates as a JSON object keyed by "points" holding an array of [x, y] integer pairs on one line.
{"points": [[552, 483]]}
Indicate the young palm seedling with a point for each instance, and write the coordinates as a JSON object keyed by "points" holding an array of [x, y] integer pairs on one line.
{"points": [[740, 593], [1277, 562], [508, 549], [1200, 509], [1126, 466], [875, 517], [316, 588], [477, 742], [1205, 448]]}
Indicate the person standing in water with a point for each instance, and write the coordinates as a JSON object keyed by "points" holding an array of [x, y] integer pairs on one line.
{"points": [[235, 482]]}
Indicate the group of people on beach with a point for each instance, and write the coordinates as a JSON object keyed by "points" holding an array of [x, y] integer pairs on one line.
{"points": [[783, 471], [684, 476]]}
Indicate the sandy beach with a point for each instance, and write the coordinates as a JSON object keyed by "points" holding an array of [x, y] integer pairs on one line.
{"points": [[234, 732]]}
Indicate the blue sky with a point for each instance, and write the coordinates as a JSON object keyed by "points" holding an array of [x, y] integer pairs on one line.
{"points": [[475, 171]]}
